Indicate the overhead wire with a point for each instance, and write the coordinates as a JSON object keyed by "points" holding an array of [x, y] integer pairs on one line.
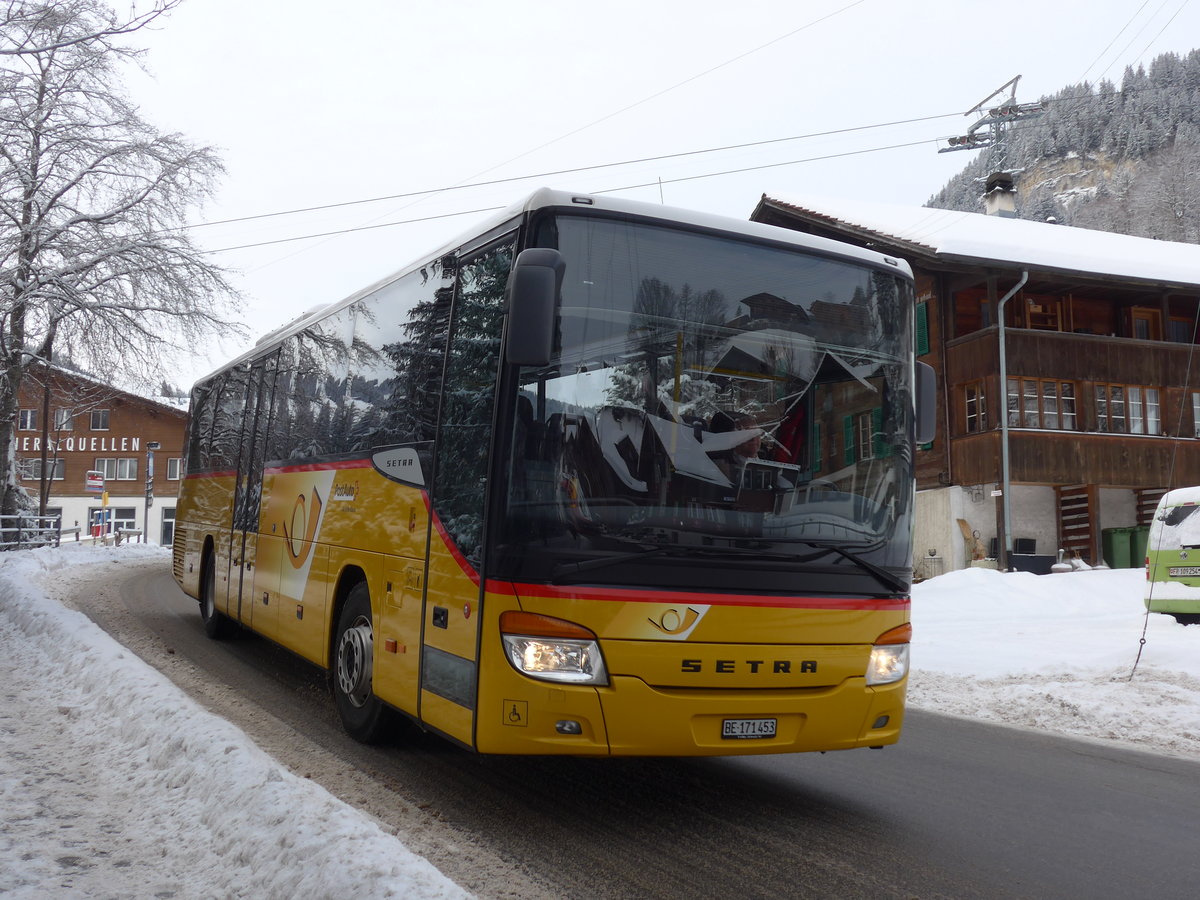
{"points": [[595, 168], [1166, 25], [1116, 37], [1136, 35], [569, 171], [644, 100], [627, 187]]}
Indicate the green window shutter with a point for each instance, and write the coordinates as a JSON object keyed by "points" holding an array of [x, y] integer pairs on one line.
{"points": [[922, 329], [880, 448], [848, 440], [816, 447]]}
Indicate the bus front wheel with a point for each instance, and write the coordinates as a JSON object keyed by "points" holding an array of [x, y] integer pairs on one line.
{"points": [[364, 716], [216, 625]]}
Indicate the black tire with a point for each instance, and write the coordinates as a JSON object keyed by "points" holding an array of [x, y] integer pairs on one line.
{"points": [[216, 624], [1187, 618], [364, 716]]}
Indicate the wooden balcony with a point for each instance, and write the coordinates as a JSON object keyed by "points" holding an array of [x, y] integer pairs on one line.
{"points": [[1073, 357], [1083, 455]]}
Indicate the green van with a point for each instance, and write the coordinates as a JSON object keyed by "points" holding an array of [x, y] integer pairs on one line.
{"points": [[1173, 557]]}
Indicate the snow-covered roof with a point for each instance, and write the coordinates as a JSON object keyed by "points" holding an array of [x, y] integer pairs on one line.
{"points": [[975, 237]]}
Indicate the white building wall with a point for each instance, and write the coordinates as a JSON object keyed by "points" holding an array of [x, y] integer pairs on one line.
{"points": [[75, 511], [1118, 508]]}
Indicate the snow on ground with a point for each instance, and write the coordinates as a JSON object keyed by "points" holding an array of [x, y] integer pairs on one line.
{"points": [[1058, 652], [114, 783]]}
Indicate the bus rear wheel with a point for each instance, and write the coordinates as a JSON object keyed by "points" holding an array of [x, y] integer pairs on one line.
{"points": [[1187, 618], [216, 625], [363, 715]]}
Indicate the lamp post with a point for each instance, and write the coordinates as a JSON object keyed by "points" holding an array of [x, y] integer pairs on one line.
{"points": [[150, 448], [1006, 544]]}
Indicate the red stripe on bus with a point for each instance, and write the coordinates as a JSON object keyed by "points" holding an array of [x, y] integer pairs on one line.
{"points": [[299, 467], [642, 595], [449, 544], [319, 467]]}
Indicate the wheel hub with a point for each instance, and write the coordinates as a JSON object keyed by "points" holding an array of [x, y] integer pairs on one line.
{"points": [[354, 660]]}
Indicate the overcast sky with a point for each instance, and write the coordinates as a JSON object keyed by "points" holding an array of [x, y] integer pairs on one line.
{"points": [[314, 103]]}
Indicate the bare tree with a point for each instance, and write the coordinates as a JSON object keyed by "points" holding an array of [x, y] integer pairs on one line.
{"points": [[24, 25], [93, 255]]}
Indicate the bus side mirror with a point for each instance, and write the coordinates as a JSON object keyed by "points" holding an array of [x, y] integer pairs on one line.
{"points": [[533, 288], [926, 403]]}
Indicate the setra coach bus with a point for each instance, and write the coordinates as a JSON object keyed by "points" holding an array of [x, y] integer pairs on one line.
{"points": [[598, 478]]}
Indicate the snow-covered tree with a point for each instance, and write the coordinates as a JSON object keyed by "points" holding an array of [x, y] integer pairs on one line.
{"points": [[1113, 160], [93, 258], [23, 25]]}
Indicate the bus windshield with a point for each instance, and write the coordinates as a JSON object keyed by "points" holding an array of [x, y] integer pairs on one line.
{"points": [[718, 413]]}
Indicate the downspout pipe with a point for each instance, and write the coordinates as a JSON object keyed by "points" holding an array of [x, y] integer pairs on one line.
{"points": [[1004, 473]]}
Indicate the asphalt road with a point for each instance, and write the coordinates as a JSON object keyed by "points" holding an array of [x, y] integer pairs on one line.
{"points": [[958, 809]]}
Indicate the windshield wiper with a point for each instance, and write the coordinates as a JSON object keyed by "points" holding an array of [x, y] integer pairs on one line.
{"points": [[883, 576]]}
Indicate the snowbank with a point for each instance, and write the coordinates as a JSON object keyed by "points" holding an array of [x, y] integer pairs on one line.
{"points": [[1058, 652], [113, 782]]}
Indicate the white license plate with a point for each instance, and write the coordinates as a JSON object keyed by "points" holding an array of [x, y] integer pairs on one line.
{"points": [[747, 729], [1185, 571]]}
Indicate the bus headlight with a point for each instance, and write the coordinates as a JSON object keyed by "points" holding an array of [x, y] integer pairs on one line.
{"points": [[889, 656], [552, 649]]}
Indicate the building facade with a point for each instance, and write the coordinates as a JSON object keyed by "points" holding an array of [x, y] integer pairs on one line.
{"points": [[1069, 390], [112, 460]]}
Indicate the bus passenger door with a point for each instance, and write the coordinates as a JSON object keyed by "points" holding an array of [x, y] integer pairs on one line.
{"points": [[453, 589], [244, 606]]}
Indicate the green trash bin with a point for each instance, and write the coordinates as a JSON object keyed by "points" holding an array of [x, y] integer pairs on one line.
{"points": [[1139, 537], [1116, 544]]}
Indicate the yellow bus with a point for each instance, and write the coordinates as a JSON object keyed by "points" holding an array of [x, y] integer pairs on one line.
{"points": [[599, 478]]}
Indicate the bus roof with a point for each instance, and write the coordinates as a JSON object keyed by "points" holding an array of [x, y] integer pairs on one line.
{"points": [[548, 198]]}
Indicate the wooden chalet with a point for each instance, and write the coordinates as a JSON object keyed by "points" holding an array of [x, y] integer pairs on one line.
{"points": [[1102, 400]]}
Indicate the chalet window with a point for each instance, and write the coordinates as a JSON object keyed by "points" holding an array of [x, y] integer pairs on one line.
{"points": [[1180, 330], [1146, 323], [127, 469], [107, 467], [1196, 414], [976, 408], [64, 420], [1038, 403], [174, 465], [922, 329], [1128, 409], [28, 420], [99, 420]]}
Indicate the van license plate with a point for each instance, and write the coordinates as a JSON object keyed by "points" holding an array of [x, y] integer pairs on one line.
{"points": [[1185, 571], [747, 729]]}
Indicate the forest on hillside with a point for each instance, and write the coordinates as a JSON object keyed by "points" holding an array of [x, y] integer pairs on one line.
{"points": [[1113, 158]]}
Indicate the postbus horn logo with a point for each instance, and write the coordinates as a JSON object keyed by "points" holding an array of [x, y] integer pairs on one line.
{"points": [[673, 623], [307, 521]]}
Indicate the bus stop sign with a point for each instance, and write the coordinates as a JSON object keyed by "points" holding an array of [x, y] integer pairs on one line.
{"points": [[94, 482]]}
